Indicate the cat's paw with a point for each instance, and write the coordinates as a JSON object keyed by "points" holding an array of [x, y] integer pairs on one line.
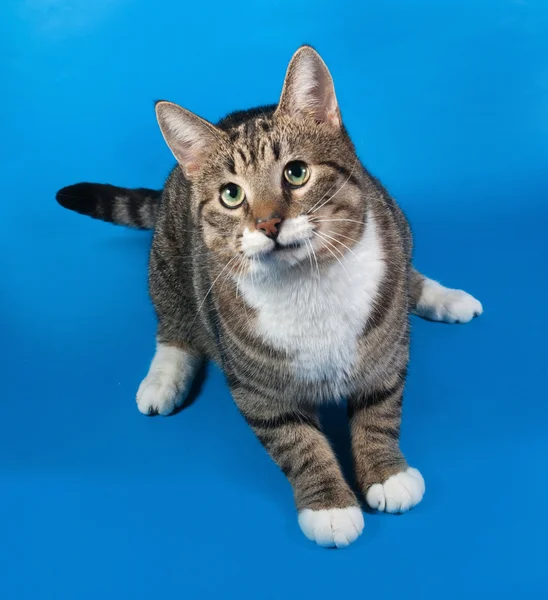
{"points": [[398, 493], [333, 527], [439, 303], [158, 394], [457, 306]]}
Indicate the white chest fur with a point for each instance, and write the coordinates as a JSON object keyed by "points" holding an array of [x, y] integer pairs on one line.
{"points": [[315, 320]]}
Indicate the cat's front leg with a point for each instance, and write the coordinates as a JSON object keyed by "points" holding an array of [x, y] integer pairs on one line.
{"points": [[385, 479], [169, 378], [329, 513]]}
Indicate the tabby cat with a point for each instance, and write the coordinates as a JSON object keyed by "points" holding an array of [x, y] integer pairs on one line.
{"points": [[277, 255]]}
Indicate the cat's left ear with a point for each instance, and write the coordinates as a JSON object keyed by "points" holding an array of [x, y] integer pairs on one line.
{"points": [[308, 89], [189, 137]]}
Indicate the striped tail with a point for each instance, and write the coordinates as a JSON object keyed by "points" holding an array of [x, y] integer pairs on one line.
{"points": [[133, 208]]}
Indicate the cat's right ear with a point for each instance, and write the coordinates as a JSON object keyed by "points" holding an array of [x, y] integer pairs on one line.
{"points": [[188, 136], [308, 89]]}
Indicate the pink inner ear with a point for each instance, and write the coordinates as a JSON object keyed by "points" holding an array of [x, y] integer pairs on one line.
{"points": [[334, 118], [189, 137], [190, 143], [190, 167], [309, 89]]}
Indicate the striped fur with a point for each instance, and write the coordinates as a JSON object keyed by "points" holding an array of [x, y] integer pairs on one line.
{"points": [[318, 313], [133, 208]]}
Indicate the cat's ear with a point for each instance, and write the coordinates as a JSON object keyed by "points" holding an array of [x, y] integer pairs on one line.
{"points": [[188, 136], [308, 89]]}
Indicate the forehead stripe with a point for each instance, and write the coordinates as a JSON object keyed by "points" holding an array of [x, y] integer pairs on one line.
{"points": [[243, 156], [340, 169], [230, 165]]}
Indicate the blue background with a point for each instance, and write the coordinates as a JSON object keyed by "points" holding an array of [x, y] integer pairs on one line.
{"points": [[447, 103]]}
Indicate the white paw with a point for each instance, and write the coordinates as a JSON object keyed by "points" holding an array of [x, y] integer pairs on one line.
{"points": [[457, 306], [439, 303], [333, 527], [158, 394], [398, 493]]}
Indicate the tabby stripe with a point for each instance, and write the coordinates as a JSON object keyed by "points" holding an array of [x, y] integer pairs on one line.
{"points": [[380, 432], [287, 459], [383, 462], [249, 129], [230, 165], [242, 156], [310, 466], [247, 365], [201, 207], [375, 398], [295, 472], [134, 206], [106, 206], [341, 207], [252, 157], [148, 213], [161, 263], [380, 396], [249, 386], [286, 194], [217, 221], [282, 420], [304, 449], [247, 345], [283, 449], [350, 177], [381, 306], [323, 492]]}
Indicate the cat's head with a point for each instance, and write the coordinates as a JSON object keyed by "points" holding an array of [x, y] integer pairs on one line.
{"points": [[273, 188]]}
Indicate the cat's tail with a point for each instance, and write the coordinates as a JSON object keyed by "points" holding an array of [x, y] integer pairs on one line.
{"points": [[131, 207]]}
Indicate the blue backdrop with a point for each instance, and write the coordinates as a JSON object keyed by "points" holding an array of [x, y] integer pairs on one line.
{"points": [[447, 103]]}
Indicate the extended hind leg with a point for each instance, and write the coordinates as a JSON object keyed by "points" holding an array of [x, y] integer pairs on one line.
{"points": [[169, 377], [431, 300]]}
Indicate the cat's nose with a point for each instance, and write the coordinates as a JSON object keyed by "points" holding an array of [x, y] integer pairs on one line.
{"points": [[270, 226]]}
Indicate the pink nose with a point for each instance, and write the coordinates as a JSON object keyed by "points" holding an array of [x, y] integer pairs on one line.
{"points": [[270, 227]]}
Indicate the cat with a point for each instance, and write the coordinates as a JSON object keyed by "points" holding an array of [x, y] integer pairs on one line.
{"points": [[278, 256]]}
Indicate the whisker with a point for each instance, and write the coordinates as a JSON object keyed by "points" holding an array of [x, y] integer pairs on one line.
{"points": [[325, 194], [309, 243], [314, 208], [336, 258], [239, 274], [329, 190], [336, 240], [238, 283], [333, 220], [224, 280], [309, 256], [253, 273], [341, 235], [211, 287]]}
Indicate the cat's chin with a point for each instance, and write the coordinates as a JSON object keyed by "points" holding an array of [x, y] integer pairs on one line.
{"points": [[280, 259]]}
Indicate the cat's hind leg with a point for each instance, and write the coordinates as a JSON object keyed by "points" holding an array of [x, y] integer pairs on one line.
{"points": [[431, 300], [169, 377]]}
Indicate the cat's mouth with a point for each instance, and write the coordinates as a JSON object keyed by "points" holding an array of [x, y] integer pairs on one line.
{"points": [[288, 254], [285, 247], [289, 247]]}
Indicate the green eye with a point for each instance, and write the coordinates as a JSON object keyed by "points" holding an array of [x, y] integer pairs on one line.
{"points": [[232, 195], [296, 172]]}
